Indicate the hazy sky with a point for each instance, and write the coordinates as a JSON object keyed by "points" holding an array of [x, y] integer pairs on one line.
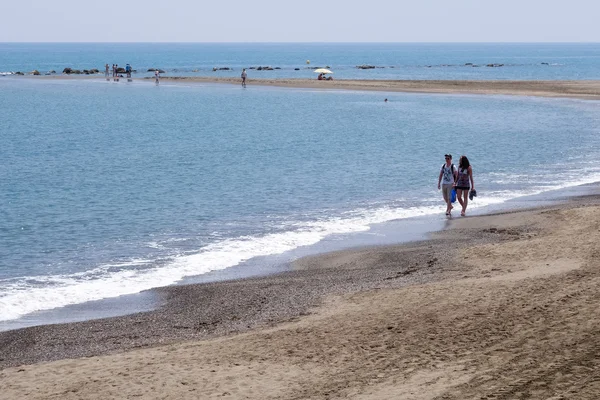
{"points": [[301, 21]]}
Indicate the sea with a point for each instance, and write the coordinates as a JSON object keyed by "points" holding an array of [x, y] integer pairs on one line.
{"points": [[109, 189]]}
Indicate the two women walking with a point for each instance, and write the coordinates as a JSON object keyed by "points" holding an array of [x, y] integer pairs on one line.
{"points": [[459, 179]]}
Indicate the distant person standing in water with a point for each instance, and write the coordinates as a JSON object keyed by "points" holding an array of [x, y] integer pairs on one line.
{"points": [[244, 76], [106, 68], [465, 176], [156, 76], [446, 181]]}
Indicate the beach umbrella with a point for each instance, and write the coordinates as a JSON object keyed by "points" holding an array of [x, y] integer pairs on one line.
{"points": [[323, 71]]}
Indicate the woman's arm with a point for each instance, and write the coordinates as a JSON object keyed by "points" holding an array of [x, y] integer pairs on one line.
{"points": [[455, 175], [471, 177]]}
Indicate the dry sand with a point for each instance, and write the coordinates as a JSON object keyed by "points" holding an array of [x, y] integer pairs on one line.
{"points": [[496, 307]]}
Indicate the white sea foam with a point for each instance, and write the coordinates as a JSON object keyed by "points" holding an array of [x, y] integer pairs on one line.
{"points": [[19, 297]]}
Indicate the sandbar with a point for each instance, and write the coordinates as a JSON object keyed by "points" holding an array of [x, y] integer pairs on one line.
{"points": [[570, 89], [579, 89]]}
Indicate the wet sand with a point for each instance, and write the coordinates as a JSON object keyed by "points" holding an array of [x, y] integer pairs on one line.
{"points": [[498, 306]]}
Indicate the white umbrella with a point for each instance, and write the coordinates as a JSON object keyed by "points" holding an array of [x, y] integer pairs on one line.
{"points": [[323, 71]]}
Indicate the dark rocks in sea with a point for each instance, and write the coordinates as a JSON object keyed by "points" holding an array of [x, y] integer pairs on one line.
{"points": [[35, 72], [52, 72], [19, 73], [222, 69], [70, 71], [545, 63], [160, 71], [296, 69], [468, 63], [264, 68], [494, 65], [365, 66]]}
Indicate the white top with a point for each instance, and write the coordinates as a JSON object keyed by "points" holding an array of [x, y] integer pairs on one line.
{"points": [[448, 178]]}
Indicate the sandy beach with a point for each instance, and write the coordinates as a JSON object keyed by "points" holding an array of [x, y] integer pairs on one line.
{"points": [[498, 306]]}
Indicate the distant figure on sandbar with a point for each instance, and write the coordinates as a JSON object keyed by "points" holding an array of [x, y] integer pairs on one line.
{"points": [[244, 76], [106, 68], [385, 100], [156, 77]]}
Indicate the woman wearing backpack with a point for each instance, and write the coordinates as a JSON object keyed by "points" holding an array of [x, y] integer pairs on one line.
{"points": [[465, 176]]}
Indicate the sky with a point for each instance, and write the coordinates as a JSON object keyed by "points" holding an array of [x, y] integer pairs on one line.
{"points": [[301, 21]]}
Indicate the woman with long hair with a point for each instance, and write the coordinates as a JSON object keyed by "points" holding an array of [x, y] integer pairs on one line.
{"points": [[465, 176]]}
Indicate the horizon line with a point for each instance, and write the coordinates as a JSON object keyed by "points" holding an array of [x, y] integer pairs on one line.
{"points": [[309, 42]]}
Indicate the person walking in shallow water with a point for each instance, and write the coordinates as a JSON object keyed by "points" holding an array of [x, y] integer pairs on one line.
{"points": [[156, 76], [464, 183], [446, 181], [244, 76]]}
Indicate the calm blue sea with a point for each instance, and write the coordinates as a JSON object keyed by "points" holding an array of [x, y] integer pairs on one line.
{"points": [[535, 61], [108, 189]]}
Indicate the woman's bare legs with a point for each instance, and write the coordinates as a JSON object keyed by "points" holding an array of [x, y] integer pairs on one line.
{"points": [[459, 197], [465, 200]]}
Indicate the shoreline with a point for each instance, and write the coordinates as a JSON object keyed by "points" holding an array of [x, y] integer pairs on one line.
{"points": [[489, 281], [381, 234], [576, 89]]}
